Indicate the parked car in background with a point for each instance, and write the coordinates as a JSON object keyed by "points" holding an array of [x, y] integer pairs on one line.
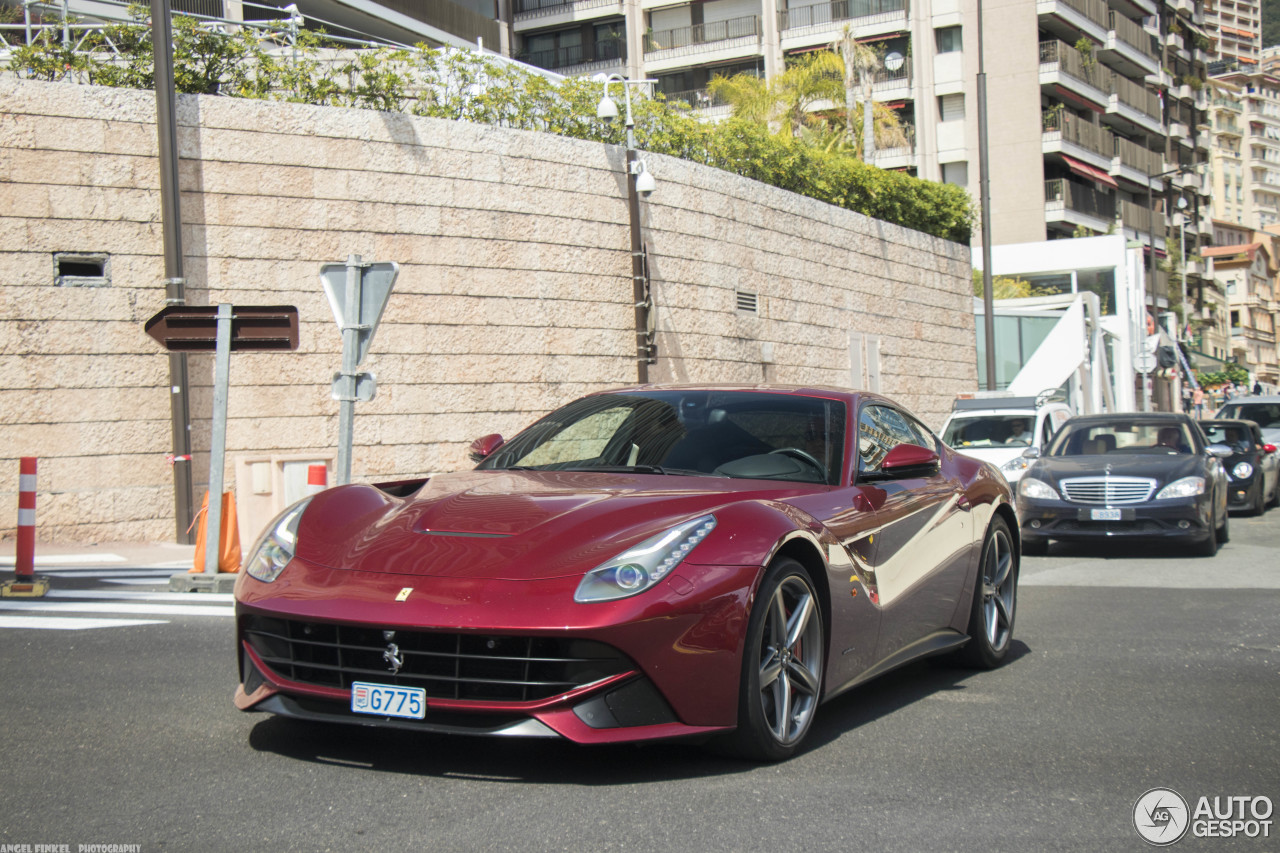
{"points": [[1253, 466], [649, 563], [1263, 411], [1126, 476], [1000, 429]]}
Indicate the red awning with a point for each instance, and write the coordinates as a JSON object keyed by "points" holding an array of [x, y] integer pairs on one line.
{"points": [[1084, 170]]}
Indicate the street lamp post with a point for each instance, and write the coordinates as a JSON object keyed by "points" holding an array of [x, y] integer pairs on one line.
{"points": [[1150, 302], [639, 181]]}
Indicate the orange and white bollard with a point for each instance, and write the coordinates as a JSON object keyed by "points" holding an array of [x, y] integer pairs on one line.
{"points": [[25, 584], [317, 479]]}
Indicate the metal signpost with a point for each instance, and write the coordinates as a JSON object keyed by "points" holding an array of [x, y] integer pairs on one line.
{"points": [[357, 293], [223, 329]]}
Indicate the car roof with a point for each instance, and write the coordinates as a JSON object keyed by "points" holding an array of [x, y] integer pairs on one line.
{"points": [[1265, 398], [1130, 417], [1229, 422]]}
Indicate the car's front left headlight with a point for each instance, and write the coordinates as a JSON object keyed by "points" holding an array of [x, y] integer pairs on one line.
{"points": [[1016, 464], [1187, 487], [1030, 487], [275, 548], [641, 566], [1242, 471]]}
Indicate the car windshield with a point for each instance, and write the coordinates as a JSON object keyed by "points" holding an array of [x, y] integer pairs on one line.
{"points": [[1235, 436], [717, 433], [990, 431], [1265, 415], [1092, 439]]}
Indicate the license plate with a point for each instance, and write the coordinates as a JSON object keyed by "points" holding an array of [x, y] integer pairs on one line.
{"points": [[385, 700], [1104, 514]]}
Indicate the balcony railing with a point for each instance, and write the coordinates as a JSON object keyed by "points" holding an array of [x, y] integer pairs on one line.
{"points": [[748, 26], [839, 10], [1138, 157], [565, 57], [698, 99], [1081, 199], [1138, 217], [1072, 64], [1131, 33], [1094, 10], [1137, 96], [1087, 135]]}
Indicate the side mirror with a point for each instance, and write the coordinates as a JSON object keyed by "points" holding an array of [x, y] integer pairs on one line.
{"points": [[910, 460], [1269, 448], [482, 448], [1219, 451], [1031, 453]]}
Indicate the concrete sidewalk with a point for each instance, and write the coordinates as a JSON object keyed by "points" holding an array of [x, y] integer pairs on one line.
{"points": [[107, 554]]}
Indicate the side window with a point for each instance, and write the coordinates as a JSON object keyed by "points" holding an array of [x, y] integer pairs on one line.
{"points": [[880, 429], [1046, 432]]}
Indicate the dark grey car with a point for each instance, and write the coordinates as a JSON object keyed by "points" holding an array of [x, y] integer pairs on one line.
{"points": [[1126, 476]]}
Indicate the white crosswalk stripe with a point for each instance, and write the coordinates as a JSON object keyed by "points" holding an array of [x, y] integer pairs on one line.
{"points": [[85, 609]]}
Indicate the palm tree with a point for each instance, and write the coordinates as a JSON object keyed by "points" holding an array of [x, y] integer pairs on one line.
{"points": [[786, 103]]}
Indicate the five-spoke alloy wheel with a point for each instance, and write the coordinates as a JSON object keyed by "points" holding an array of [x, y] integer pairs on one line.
{"points": [[782, 665]]}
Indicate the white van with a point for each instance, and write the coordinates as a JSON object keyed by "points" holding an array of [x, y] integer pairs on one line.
{"points": [[1000, 429]]}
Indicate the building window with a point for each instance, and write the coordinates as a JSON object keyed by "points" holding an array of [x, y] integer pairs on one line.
{"points": [[956, 173], [950, 107], [948, 39]]}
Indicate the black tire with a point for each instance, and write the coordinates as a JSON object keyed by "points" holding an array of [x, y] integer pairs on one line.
{"points": [[1260, 499], [781, 685], [1209, 547], [1275, 497], [1224, 530], [1035, 547], [995, 598]]}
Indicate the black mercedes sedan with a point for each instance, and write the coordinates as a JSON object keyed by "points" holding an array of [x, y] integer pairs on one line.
{"points": [[1129, 476]]}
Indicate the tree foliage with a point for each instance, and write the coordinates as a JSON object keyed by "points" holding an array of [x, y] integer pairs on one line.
{"points": [[464, 86]]}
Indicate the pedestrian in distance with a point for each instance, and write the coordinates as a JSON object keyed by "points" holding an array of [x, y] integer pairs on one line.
{"points": [[1257, 389], [1197, 400]]}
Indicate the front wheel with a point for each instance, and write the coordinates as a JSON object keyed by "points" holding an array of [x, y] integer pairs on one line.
{"points": [[781, 668], [995, 598]]}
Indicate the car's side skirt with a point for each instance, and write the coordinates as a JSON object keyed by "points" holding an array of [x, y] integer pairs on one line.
{"points": [[937, 643]]}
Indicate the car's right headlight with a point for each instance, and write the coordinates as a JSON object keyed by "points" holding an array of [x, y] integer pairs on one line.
{"points": [[1187, 487], [1030, 487], [643, 565], [275, 548], [1242, 471]]}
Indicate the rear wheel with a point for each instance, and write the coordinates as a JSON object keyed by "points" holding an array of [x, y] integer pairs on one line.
{"points": [[995, 597], [781, 666]]}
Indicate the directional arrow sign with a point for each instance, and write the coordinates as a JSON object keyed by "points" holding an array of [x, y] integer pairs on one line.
{"points": [[254, 328], [373, 288]]}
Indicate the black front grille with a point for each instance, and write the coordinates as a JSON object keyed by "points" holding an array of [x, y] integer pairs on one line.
{"points": [[447, 665]]}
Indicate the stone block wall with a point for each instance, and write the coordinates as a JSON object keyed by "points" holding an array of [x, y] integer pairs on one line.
{"points": [[514, 293]]}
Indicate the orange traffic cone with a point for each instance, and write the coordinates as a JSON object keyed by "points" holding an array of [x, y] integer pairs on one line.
{"points": [[229, 559]]}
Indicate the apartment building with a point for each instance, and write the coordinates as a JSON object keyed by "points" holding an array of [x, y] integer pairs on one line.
{"points": [[1248, 271], [1092, 103], [1245, 162], [1235, 29]]}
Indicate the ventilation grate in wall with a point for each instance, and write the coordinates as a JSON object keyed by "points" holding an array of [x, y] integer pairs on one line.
{"points": [[748, 302]]}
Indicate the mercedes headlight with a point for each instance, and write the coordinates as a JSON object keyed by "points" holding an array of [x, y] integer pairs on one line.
{"points": [[643, 565], [274, 549], [1242, 471], [1030, 487], [1187, 487]]}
